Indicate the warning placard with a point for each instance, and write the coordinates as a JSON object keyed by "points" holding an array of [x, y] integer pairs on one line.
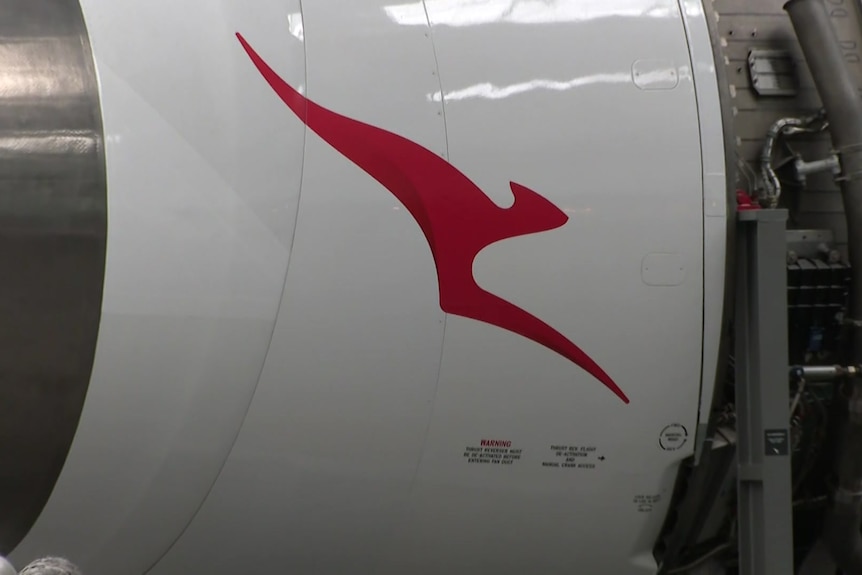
{"points": [[492, 452], [573, 457]]}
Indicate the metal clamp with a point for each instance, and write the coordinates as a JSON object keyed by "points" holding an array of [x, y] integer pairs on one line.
{"points": [[848, 149], [842, 152], [857, 175]]}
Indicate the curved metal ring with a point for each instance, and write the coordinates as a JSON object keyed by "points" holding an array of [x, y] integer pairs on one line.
{"points": [[53, 233]]}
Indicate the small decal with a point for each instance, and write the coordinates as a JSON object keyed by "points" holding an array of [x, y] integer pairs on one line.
{"points": [[673, 437], [776, 442], [493, 452], [584, 457], [456, 217], [646, 503]]}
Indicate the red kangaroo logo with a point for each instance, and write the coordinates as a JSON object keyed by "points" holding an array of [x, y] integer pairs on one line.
{"points": [[457, 218]]}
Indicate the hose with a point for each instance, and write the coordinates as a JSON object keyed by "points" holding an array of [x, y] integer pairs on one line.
{"points": [[782, 127]]}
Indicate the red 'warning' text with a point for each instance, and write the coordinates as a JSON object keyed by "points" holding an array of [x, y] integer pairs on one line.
{"points": [[495, 443]]}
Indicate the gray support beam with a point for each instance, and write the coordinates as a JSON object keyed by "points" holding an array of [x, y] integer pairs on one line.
{"points": [[763, 449]]}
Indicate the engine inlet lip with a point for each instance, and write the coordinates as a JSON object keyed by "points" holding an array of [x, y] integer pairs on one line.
{"points": [[53, 236]]}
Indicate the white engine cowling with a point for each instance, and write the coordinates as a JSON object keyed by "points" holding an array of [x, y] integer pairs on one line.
{"points": [[396, 287]]}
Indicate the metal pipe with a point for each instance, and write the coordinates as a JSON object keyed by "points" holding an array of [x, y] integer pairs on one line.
{"points": [[782, 127], [819, 43], [804, 169], [825, 372]]}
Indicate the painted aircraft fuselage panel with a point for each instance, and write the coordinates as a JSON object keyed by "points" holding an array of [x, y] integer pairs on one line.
{"points": [[284, 378]]}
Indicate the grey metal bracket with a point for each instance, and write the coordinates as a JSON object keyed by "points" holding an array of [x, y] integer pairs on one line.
{"points": [[772, 72], [763, 418]]}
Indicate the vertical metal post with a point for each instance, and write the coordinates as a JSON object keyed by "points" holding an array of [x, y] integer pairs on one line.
{"points": [[763, 418]]}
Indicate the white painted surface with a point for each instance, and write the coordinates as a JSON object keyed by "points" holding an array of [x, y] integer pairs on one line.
{"points": [[625, 166], [203, 181], [331, 443], [655, 74], [715, 200], [351, 455], [663, 269]]}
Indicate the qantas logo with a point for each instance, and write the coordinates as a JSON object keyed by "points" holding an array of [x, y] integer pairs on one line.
{"points": [[457, 218]]}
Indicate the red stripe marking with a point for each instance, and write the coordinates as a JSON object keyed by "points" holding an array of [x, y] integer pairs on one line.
{"points": [[457, 218]]}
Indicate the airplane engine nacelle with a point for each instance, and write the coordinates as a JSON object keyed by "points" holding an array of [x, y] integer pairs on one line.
{"points": [[366, 287]]}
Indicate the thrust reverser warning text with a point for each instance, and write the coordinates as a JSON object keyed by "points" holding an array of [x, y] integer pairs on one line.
{"points": [[573, 457], [492, 452]]}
